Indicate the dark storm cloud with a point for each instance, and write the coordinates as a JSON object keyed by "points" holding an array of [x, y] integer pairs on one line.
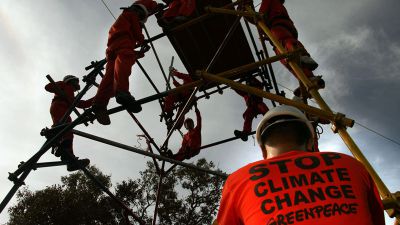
{"points": [[355, 41], [380, 15], [366, 56]]}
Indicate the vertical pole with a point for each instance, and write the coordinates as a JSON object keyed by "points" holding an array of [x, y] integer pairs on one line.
{"points": [[14, 189], [157, 58], [169, 74], [161, 173], [192, 96], [269, 65], [147, 76], [148, 138]]}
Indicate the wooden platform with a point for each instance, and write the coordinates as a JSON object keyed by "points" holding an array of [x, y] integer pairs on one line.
{"points": [[197, 44]]}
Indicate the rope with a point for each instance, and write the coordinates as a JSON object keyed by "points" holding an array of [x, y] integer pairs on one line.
{"points": [[108, 9], [377, 133], [361, 125]]}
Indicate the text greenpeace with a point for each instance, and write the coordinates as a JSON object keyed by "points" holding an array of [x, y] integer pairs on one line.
{"points": [[316, 180]]}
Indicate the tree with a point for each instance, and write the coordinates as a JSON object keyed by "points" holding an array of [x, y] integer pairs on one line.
{"points": [[186, 196], [76, 201]]}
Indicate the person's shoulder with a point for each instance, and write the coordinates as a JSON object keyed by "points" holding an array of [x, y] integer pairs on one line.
{"points": [[346, 159], [338, 154], [128, 13]]}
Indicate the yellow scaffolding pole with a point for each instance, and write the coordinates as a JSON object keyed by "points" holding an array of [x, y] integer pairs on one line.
{"points": [[221, 78], [386, 195]]}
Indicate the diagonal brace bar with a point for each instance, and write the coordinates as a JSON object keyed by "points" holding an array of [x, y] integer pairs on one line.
{"points": [[255, 91], [149, 154]]}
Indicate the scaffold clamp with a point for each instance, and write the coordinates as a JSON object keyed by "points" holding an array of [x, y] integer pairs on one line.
{"points": [[12, 177], [391, 204], [337, 122]]}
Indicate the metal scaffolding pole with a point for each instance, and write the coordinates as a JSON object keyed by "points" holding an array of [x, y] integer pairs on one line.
{"points": [[339, 118], [238, 71], [192, 96], [109, 193], [19, 176], [98, 67], [159, 188], [17, 184], [148, 77], [148, 137], [156, 55], [61, 93], [139, 151], [223, 141]]}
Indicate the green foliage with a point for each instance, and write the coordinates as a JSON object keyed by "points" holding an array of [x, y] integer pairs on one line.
{"points": [[74, 202], [186, 197]]}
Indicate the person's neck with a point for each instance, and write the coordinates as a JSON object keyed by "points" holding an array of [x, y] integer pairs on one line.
{"points": [[282, 149]]}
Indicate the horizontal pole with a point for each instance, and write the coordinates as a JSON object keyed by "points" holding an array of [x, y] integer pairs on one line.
{"points": [[238, 71], [255, 91], [48, 164], [49, 143], [231, 12], [202, 17], [223, 141], [149, 154]]}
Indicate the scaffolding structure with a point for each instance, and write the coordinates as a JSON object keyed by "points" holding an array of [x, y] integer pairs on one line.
{"points": [[209, 83]]}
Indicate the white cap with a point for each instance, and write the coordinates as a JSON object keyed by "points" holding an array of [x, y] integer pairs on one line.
{"points": [[144, 9], [283, 110], [69, 78]]}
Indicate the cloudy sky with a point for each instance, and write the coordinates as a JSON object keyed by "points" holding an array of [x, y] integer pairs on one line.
{"points": [[355, 42]]}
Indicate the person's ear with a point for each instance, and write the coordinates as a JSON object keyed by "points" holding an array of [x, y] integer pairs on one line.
{"points": [[264, 151], [310, 145]]}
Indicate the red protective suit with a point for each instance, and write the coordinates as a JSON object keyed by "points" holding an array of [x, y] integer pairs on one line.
{"points": [[255, 105], [124, 36], [278, 21], [183, 96], [180, 8], [191, 142], [59, 106], [301, 188]]}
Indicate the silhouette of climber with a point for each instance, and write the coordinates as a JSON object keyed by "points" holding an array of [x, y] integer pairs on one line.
{"points": [[255, 106], [63, 98], [178, 11], [179, 98], [191, 142], [124, 36], [282, 27]]}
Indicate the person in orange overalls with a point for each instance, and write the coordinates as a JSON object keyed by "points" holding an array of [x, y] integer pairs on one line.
{"points": [[179, 10], [278, 21], [63, 98], [293, 185], [173, 99], [191, 142], [124, 36], [255, 106]]}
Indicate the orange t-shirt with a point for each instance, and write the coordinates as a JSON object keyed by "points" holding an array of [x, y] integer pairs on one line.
{"points": [[321, 188]]}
